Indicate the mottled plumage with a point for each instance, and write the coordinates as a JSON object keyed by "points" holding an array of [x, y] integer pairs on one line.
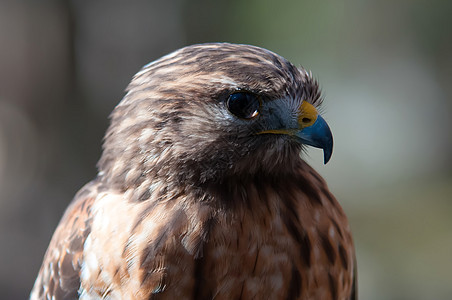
{"points": [[195, 201]]}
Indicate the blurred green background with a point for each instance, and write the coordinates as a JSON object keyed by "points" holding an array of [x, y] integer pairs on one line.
{"points": [[386, 72]]}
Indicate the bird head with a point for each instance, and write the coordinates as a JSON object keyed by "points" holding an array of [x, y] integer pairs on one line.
{"points": [[210, 110]]}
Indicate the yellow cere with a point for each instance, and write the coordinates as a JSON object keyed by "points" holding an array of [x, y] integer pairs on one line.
{"points": [[307, 115]]}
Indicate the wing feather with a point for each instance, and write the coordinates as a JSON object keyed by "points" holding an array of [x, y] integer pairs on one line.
{"points": [[59, 276]]}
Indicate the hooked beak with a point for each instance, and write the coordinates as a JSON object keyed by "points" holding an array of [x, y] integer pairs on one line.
{"points": [[318, 135], [314, 131]]}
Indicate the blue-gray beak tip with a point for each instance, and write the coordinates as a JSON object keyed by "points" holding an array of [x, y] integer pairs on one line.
{"points": [[318, 135]]}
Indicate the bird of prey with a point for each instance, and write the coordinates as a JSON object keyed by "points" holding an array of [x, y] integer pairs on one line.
{"points": [[202, 192]]}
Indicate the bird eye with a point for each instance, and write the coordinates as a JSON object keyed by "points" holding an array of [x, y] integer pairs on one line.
{"points": [[244, 105]]}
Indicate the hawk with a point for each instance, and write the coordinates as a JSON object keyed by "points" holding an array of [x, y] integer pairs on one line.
{"points": [[202, 192]]}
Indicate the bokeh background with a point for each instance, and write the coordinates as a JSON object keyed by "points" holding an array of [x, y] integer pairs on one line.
{"points": [[385, 68]]}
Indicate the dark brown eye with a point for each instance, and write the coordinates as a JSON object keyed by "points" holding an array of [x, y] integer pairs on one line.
{"points": [[244, 105]]}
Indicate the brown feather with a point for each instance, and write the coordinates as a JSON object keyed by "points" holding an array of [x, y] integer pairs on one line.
{"points": [[59, 276], [190, 203]]}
